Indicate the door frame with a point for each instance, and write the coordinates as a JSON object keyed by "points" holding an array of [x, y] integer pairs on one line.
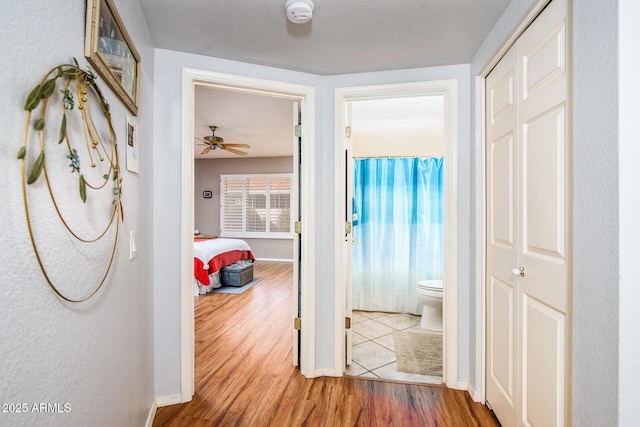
{"points": [[481, 182], [306, 95], [450, 294]]}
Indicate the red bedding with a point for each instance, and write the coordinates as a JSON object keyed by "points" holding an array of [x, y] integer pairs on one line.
{"points": [[217, 262]]}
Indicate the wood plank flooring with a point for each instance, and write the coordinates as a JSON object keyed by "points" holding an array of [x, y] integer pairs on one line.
{"points": [[244, 375]]}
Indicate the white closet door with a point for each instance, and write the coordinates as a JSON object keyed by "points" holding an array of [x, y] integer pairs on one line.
{"points": [[502, 234], [528, 227], [544, 187]]}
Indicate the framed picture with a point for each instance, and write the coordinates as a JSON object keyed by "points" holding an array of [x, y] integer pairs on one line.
{"points": [[132, 145], [111, 52], [206, 194]]}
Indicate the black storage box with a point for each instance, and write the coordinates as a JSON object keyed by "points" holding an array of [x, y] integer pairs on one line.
{"points": [[238, 274]]}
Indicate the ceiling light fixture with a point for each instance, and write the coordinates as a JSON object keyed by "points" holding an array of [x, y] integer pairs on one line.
{"points": [[299, 11]]}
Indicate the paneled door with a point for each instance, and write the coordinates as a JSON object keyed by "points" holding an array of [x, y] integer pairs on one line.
{"points": [[529, 227], [502, 238]]}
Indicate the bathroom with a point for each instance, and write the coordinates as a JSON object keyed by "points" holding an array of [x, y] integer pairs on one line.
{"points": [[397, 147]]}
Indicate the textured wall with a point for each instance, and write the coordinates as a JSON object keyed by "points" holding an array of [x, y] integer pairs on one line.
{"points": [[96, 356], [207, 211], [596, 210]]}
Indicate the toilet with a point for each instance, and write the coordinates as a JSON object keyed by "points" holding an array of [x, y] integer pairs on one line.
{"points": [[429, 293]]}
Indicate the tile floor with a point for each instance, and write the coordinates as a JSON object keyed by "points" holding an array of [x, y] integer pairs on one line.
{"points": [[373, 355]]}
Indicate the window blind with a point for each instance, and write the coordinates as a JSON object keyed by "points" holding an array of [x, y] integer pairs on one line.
{"points": [[255, 205]]}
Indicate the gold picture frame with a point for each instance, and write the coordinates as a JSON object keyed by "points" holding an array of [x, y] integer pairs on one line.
{"points": [[109, 49]]}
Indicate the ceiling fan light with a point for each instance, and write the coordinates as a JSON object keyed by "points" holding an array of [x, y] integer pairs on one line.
{"points": [[214, 139]]}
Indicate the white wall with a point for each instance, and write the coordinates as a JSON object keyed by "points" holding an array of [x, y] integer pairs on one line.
{"points": [[596, 222], [207, 211], [96, 356], [596, 227], [167, 164], [404, 127], [629, 368]]}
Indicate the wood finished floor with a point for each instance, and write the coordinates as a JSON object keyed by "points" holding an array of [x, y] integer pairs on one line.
{"points": [[244, 375]]}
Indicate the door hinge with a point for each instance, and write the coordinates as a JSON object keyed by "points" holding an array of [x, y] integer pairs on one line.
{"points": [[347, 227], [347, 322], [297, 227], [347, 131], [297, 324], [298, 131]]}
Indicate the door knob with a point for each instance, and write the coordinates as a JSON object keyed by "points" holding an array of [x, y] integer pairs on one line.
{"points": [[518, 271]]}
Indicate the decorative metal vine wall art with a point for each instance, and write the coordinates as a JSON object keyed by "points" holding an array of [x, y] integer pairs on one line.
{"points": [[77, 89]]}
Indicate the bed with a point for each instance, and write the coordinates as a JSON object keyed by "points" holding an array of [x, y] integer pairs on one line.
{"points": [[210, 255]]}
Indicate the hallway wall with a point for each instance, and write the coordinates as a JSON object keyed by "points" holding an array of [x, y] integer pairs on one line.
{"points": [[97, 356]]}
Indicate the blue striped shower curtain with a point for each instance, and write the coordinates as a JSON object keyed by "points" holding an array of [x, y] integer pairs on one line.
{"points": [[399, 233]]}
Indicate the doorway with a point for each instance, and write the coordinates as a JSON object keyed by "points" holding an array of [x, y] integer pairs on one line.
{"points": [[344, 224], [396, 190], [304, 268]]}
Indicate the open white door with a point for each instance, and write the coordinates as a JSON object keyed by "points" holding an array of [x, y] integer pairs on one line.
{"points": [[348, 234], [297, 237]]}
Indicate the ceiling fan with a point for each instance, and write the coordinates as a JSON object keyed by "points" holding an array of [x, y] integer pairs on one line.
{"points": [[212, 142]]}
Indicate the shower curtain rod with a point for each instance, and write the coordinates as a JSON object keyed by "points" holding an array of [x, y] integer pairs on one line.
{"points": [[397, 157]]}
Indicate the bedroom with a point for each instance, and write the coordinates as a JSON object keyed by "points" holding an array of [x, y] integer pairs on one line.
{"points": [[254, 150]]}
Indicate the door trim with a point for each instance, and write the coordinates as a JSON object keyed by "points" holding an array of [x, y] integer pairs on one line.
{"points": [[306, 95], [450, 298]]}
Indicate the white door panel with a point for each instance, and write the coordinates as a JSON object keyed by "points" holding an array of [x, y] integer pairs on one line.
{"points": [[502, 251], [501, 298], [543, 338], [528, 226], [543, 215], [502, 200]]}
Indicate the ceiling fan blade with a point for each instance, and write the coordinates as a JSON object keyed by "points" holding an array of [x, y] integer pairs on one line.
{"points": [[237, 145], [234, 151], [206, 150], [201, 140]]}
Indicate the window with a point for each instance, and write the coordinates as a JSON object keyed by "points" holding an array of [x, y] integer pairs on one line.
{"points": [[255, 206]]}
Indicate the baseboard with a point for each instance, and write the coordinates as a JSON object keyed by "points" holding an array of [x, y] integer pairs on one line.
{"points": [[476, 396], [152, 414], [168, 400], [462, 385], [326, 372], [275, 260]]}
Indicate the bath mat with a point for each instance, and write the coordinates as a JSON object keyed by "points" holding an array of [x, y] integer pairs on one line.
{"points": [[237, 290], [419, 352]]}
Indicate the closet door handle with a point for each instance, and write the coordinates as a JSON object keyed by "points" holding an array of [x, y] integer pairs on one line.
{"points": [[518, 271]]}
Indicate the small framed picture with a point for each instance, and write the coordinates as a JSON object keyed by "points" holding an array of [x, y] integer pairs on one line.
{"points": [[110, 50], [206, 194], [132, 146]]}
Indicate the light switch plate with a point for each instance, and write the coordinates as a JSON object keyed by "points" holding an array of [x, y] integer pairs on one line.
{"points": [[132, 244]]}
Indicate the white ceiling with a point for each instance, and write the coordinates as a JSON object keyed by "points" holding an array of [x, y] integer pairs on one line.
{"points": [[265, 123], [344, 36]]}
